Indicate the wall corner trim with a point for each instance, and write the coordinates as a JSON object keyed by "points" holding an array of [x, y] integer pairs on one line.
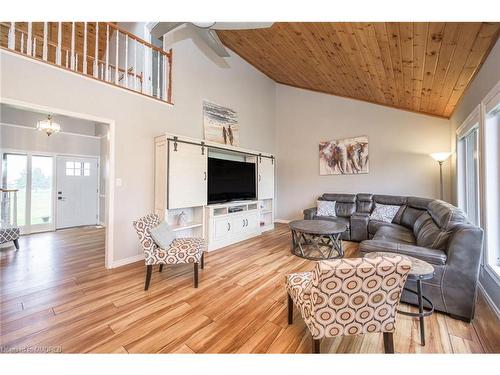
{"points": [[123, 262]]}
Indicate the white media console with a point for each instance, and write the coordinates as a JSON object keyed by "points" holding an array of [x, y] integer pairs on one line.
{"points": [[181, 186]]}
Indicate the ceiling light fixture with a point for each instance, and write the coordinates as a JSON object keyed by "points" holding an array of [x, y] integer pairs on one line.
{"points": [[48, 126]]}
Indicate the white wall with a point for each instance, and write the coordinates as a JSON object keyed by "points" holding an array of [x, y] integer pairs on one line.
{"points": [[197, 76], [399, 146], [18, 132]]}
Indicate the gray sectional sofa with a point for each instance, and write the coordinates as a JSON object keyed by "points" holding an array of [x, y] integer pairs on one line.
{"points": [[429, 229]]}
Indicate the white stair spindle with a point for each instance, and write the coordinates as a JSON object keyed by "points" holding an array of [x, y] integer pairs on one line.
{"points": [[144, 62], [126, 61], [158, 76], [34, 47], [135, 65], [72, 46], [59, 44], [22, 42], [11, 43], [29, 44], [45, 47], [96, 53], [76, 61], [107, 53], [84, 66], [67, 59], [117, 72]]}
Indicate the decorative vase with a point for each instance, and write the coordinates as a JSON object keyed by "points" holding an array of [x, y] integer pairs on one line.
{"points": [[182, 219]]}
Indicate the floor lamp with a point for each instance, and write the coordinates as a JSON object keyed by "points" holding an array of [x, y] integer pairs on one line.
{"points": [[441, 157]]}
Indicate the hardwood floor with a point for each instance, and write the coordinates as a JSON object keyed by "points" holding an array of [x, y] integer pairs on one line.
{"points": [[56, 295]]}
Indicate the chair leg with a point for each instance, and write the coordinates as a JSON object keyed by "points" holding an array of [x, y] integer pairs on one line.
{"points": [[149, 271], [316, 345], [161, 267], [388, 343], [16, 243], [202, 260], [196, 275], [290, 309]]}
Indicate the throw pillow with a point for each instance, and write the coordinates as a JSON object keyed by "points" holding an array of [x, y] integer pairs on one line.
{"points": [[162, 235], [384, 212], [325, 208]]}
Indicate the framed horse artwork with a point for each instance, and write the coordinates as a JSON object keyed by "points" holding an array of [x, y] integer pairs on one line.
{"points": [[344, 156]]}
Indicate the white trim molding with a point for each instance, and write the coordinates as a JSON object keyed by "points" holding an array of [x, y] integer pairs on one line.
{"points": [[129, 260], [489, 301], [282, 221]]}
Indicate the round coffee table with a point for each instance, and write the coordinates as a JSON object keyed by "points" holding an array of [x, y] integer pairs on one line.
{"points": [[420, 270], [317, 239]]}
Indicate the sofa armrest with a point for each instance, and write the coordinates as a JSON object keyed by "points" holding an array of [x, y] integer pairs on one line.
{"points": [[310, 213], [359, 226], [462, 270]]}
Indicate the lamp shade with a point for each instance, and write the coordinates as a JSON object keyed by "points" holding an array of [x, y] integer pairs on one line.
{"points": [[440, 156]]}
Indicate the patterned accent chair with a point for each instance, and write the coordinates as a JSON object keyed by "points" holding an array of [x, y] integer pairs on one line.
{"points": [[180, 251], [349, 297], [9, 233]]}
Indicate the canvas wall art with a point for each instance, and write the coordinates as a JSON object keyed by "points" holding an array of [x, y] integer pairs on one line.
{"points": [[344, 156], [221, 124]]}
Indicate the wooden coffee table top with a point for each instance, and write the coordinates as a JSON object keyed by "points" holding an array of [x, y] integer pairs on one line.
{"points": [[318, 227]]}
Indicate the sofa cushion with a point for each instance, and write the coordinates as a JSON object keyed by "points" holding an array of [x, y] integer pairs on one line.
{"points": [[345, 204], [325, 208], [445, 215], [417, 202], [364, 203], [410, 216], [433, 256], [395, 234], [375, 225], [384, 212], [428, 234]]}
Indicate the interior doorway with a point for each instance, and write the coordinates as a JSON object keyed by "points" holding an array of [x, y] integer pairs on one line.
{"points": [[35, 166]]}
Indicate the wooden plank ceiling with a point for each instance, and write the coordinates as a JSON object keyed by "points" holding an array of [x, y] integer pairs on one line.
{"points": [[421, 67]]}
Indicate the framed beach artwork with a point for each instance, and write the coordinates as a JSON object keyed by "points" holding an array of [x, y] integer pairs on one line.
{"points": [[344, 156], [220, 124]]}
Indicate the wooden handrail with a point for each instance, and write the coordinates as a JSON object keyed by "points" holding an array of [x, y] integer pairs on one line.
{"points": [[2, 190]]}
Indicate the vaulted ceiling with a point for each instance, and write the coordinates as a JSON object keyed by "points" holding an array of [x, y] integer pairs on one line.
{"points": [[422, 67]]}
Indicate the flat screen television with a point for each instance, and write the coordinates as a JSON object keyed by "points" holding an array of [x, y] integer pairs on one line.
{"points": [[230, 180]]}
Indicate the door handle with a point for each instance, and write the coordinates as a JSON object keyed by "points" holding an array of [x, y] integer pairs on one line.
{"points": [[228, 227], [204, 176], [243, 222]]}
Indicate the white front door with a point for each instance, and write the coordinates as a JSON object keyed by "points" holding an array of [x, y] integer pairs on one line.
{"points": [[77, 191]]}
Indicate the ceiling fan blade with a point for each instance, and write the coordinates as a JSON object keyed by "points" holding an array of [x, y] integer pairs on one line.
{"points": [[241, 25], [161, 28], [212, 40]]}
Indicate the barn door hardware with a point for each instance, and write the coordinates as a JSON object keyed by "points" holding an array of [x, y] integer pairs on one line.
{"points": [[272, 159], [260, 158], [202, 148], [175, 143]]}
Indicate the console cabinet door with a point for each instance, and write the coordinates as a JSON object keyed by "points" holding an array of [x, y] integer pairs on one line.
{"points": [[223, 227], [252, 221], [187, 176], [265, 178]]}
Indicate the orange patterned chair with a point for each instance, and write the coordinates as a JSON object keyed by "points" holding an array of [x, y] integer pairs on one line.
{"points": [[180, 251], [349, 297]]}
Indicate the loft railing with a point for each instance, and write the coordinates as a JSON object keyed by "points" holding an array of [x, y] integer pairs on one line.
{"points": [[100, 50], [8, 207]]}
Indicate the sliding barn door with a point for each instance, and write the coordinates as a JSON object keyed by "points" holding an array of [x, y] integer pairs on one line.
{"points": [[265, 178], [187, 175]]}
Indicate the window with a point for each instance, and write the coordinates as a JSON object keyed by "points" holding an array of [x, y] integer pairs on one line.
{"points": [[468, 167], [492, 184], [74, 168]]}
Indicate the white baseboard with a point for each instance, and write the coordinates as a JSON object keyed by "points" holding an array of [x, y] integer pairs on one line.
{"points": [[282, 221], [489, 301], [123, 262]]}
